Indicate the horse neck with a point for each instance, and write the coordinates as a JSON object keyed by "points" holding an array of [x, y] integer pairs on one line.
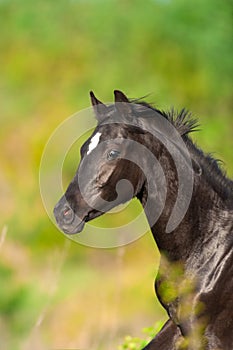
{"points": [[205, 211]]}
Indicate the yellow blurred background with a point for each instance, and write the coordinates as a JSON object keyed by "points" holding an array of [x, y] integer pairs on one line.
{"points": [[54, 293]]}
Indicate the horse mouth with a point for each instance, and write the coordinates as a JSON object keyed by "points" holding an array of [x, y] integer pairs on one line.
{"points": [[72, 230], [78, 224]]}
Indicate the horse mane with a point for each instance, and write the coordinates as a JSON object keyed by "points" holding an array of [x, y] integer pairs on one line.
{"points": [[213, 170], [183, 120], [185, 123]]}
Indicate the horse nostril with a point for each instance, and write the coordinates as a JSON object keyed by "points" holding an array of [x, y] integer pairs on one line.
{"points": [[68, 215]]}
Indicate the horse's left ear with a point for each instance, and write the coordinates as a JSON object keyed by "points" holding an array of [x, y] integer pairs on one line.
{"points": [[122, 103], [100, 108]]}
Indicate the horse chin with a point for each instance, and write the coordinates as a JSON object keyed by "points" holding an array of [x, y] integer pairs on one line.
{"points": [[73, 229]]}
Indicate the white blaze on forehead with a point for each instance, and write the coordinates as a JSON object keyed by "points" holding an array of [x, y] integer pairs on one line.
{"points": [[94, 142]]}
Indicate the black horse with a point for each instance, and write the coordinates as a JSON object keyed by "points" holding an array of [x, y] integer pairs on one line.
{"points": [[195, 279]]}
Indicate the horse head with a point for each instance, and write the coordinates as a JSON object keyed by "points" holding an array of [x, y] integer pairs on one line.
{"points": [[108, 174]]}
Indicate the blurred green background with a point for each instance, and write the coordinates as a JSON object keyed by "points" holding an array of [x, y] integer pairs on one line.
{"points": [[55, 293]]}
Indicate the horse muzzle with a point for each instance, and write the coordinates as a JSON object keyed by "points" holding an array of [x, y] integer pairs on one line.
{"points": [[66, 218]]}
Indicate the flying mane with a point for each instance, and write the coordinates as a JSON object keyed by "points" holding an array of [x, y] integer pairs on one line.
{"points": [[185, 123]]}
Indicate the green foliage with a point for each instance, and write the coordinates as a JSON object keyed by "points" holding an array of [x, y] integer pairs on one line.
{"points": [[20, 304], [134, 343]]}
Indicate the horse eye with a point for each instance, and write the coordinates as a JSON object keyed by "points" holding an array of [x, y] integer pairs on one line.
{"points": [[113, 154]]}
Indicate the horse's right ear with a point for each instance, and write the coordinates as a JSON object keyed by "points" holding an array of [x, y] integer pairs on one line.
{"points": [[99, 107]]}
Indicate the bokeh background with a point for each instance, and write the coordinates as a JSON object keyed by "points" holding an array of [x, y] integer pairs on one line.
{"points": [[54, 293]]}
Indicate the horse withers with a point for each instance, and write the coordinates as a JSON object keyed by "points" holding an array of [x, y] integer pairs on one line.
{"points": [[191, 216]]}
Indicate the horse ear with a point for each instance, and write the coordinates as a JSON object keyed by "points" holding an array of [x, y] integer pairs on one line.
{"points": [[120, 97], [122, 103], [99, 107]]}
